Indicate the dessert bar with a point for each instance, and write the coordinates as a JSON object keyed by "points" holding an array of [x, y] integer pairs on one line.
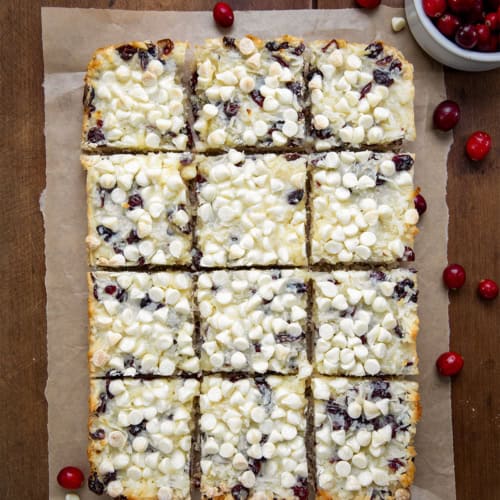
{"points": [[141, 324], [364, 437], [253, 321], [365, 322], [362, 207], [251, 210], [140, 437], [138, 208], [134, 99], [249, 93]]}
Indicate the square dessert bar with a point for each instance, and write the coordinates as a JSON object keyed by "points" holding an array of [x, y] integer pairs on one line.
{"points": [[253, 321], [138, 208], [134, 99], [251, 210], [364, 437], [248, 93], [360, 95], [253, 443], [362, 207], [140, 437], [365, 322], [141, 324]]}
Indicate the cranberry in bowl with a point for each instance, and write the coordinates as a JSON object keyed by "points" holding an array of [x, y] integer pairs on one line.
{"points": [[446, 50]]}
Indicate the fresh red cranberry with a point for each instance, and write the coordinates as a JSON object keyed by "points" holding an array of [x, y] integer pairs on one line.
{"points": [[223, 14], [368, 4], [454, 276], [448, 25], [488, 289], [466, 36], [449, 363], [478, 145], [483, 33], [446, 115], [489, 46], [420, 204], [110, 289], [491, 20], [434, 8], [70, 478], [460, 6], [476, 13]]}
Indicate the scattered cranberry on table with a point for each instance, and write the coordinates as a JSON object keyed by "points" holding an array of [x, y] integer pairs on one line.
{"points": [[471, 24], [70, 478], [488, 289], [446, 115], [454, 276], [368, 4], [478, 145], [420, 204], [223, 14], [449, 363]]}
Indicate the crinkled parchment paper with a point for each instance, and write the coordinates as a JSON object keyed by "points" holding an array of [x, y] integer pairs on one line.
{"points": [[69, 38]]}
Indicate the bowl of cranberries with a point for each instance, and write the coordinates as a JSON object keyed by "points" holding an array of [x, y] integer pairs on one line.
{"points": [[461, 34]]}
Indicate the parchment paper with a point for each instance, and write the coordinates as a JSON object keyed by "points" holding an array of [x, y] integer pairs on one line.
{"points": [[69, 38]]}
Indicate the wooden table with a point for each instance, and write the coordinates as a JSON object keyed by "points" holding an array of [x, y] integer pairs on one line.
{"points": [[474, 241]]}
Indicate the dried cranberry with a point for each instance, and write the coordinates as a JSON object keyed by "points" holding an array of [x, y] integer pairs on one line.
{"points": [[296, 287], [138, 428], [329, 44], [408, 255], [88, 97], [384, 61], [95, 485], [239, 492], [312, 72], [292, 156], [380, 390], [143, 59], [135, 200], [133, 237], [382, 77], [324, 133], [300, 489], [229, 42], [281, 61], [146, 300], [402, 162], [104, 231], [264, 389], [396, 65], [95, 135], [96, 295], [338, 415], [395, 464], [400, 290], [108, 477], [166, 46], [398, 331], [378, 276], [122, 295], [126, 52], [98, 434], [257, 97], [103, 398], [373, 50], [231, 108], [299, 50], [295, 197], [365, 90], [255, 465], [295, 87], [379, 180], [110, 289]]}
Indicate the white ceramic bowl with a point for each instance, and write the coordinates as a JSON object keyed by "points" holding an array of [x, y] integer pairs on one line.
{"points": [[440, 48]]}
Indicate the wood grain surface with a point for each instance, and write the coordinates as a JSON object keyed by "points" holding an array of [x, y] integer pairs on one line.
{"points": [[474, 241]]}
